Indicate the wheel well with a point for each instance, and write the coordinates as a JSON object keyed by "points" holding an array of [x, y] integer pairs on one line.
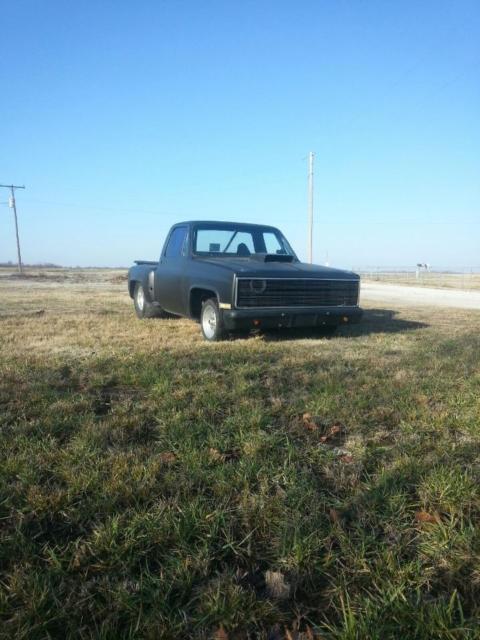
{"points": [[131, 287], [197, 297]]}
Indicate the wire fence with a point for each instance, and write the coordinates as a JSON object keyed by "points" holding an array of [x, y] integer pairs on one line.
{"points": [[467, 278]]}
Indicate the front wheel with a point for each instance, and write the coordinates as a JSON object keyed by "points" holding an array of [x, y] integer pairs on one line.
{"points": [[211, 321]]}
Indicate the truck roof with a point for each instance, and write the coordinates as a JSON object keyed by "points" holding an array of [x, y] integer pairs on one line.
{"points": [[223, 222]]}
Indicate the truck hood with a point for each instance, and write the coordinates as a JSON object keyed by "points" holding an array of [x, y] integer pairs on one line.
{"points": [[257, 269]]}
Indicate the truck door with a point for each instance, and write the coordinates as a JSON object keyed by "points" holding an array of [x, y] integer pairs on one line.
{"points": [[169, 289]]}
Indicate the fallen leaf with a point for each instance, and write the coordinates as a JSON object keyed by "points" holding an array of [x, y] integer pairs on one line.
{"points": [[216, 455], [346, 459], [309, 422], [424, 516], [336, 430], [334, 516], [220, 633], [167, 457], [276, 585], [309, 633]]}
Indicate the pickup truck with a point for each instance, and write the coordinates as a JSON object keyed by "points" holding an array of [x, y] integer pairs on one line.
{"points": [[234, 277]]}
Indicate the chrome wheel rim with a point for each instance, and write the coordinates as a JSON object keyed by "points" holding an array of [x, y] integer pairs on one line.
{"points": [[209, 322], [140, 298]]}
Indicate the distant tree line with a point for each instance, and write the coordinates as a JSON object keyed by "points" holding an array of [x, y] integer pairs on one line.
{"points": [[39, 265]]}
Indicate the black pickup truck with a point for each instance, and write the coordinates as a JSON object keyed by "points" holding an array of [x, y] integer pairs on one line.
{"points": [[236, 277]]}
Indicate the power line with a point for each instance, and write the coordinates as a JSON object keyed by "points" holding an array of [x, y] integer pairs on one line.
{"points": [[12, 204], [200, 215]]}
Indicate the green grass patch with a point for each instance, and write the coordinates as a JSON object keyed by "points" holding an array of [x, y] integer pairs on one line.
{"points": [[151, 484]]}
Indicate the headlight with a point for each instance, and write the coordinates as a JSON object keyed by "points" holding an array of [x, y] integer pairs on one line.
{"points": [[258, 286]]}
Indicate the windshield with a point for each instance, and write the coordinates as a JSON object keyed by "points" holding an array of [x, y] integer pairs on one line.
{"points": [[240, 241]]}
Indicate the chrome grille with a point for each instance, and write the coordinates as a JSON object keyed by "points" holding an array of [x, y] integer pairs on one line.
{"points": [[296, 292]]}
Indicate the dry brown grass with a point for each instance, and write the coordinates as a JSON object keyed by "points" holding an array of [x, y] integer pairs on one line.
{"points": [[49, 311]]}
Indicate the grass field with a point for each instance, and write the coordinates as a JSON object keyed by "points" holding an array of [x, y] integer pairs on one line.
{"points": [[155, 486], [467, 281]]}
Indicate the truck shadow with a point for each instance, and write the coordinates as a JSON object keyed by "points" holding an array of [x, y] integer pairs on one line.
{"points": [[381, 321], [373, 321]]}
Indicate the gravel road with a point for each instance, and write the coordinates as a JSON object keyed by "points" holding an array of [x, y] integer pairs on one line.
{"points": [[419, 296]]}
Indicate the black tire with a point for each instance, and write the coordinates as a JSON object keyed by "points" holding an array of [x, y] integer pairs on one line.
{"points": [[211, 321], [143, 307]]}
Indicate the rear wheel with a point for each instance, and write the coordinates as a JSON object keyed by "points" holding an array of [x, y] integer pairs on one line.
{"points": [[211, 321], [143, 307]]}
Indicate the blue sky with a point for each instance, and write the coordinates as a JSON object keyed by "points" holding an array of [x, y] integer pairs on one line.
{"points": [[122, 118]]}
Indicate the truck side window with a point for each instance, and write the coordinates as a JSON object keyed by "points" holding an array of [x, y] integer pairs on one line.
{"points": [[175, 242]]}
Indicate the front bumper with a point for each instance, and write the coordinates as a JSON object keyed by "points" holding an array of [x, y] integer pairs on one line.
{"points": [[289, 317]]}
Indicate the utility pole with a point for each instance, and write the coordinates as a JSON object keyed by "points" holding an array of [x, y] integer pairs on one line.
{"points": [[13, 206], [310, 207]]}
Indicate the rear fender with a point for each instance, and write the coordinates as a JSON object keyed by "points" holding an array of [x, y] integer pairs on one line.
{"points": [[147, 280]]}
